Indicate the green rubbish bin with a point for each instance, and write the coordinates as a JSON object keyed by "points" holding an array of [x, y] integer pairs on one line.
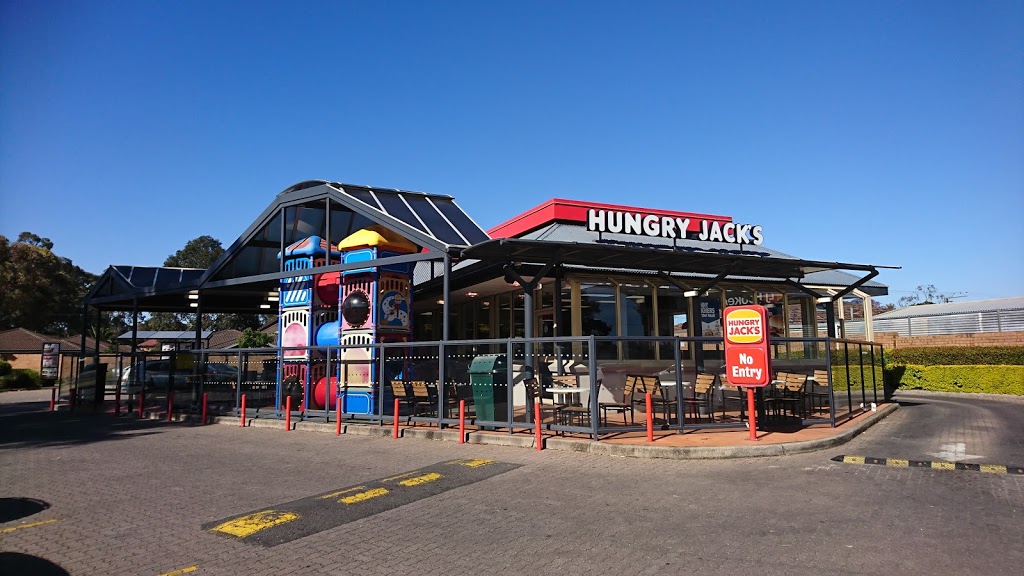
{"points": [[488, 376]]}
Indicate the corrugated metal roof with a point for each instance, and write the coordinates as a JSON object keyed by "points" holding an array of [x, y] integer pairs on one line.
{"points": [[946, 308]]}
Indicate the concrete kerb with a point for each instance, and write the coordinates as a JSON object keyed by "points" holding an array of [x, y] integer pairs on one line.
{"points": [[581, 445]]}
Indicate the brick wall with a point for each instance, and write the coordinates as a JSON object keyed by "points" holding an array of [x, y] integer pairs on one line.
{"points": [[892, 340], [24, 360]]}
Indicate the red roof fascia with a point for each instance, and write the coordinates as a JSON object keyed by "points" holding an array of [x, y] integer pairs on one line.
{"points": [[562, 210]]}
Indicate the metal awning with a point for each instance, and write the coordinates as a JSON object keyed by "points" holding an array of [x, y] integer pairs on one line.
{"points": [[654, 259]]}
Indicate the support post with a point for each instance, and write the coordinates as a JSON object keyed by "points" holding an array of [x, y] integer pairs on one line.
{"points": [[462, 421], [752, 412], [242, 423], [537, 424], [288, 413], [650, 417]]}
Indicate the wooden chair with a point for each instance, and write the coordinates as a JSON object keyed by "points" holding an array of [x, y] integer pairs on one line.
{"points": [[791, 396], [547, 403], [703, 391], [621, 407], [403, 396], [423, 397], [818, 388]]}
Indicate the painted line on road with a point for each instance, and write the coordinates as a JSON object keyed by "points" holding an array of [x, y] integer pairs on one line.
{"points": [[318, 512], [30, 525], [180, 571], [933, 464]]}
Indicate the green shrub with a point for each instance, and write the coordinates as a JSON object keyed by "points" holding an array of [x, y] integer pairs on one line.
{"points": [[5, 367], [988, 379], [957, 356], [21, 378]]}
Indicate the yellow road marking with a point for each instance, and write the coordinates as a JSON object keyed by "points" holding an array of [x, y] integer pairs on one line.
{"points": [[184, 570], [853, 459], [473, 462], [993, 469], [943, 466], [363, 496], [420, 479], [340, 492], [32, 525], [253, 523], [407, 474], [897, 463]]}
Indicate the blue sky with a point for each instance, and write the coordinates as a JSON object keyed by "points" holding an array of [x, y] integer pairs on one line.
{"points": [[869, 132]]}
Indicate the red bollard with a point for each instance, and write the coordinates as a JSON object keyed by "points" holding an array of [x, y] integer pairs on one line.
{"points": [[287, 413], [536, 424], [117, 400], [170, 404], [337, 425], [395, 433], [205, 394], [752, 414], [242, 423], [650, 418], [53, 399], [462, 421], [142, 403]]}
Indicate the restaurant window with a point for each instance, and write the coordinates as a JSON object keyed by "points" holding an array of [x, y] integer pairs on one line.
{"points": [[597, 316], [504, 304], [711, 324], [673, 315], [636, 307]]}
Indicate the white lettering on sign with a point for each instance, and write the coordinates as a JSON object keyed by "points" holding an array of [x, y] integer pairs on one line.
{"points": [[729, 232], [741, 372], [618, 222]]}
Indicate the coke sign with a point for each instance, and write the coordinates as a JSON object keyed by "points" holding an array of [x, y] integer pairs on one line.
{"points": [[747, 362]]}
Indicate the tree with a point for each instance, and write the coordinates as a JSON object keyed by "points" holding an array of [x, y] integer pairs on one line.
{"points": [[40, 290], [251, 338], [199, 252], [923, 294]]}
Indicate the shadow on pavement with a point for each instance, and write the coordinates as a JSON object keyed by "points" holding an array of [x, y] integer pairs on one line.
{"points": [[65, 429], [15, 563], [16, 508]]}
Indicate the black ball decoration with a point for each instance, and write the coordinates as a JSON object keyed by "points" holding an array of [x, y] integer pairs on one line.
{"points": [[356, 308]]}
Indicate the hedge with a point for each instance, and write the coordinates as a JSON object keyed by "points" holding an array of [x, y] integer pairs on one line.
{"points": [[957, 356], [20, 378], [1003, 379]]}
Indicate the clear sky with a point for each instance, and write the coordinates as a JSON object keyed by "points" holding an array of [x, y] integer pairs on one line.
{"points": [[869, 132]]}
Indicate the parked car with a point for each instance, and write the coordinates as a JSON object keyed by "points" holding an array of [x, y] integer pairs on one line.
{"points": [[156, 374]]}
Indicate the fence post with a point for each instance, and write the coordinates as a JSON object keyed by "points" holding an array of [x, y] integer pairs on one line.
{"points": [[650, 417], [537, 423], [462, 421], [394, 433]]}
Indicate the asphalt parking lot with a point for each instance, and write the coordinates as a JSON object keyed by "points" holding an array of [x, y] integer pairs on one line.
{"points": [[95, 495]]}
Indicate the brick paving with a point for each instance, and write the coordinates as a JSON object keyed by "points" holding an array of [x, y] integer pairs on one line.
{"points": [[130, 497]]}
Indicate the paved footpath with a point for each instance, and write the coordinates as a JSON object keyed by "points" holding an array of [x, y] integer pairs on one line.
{"points": [[149, 498]]}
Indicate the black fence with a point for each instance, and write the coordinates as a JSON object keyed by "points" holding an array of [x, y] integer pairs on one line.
{"points": [[575, 385]]}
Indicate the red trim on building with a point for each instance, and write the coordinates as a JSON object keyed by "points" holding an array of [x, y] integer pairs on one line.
{"points": [[561, 210]]}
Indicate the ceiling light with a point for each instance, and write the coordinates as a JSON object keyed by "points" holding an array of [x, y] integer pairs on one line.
{"points": [[194, 304], [272, 298], [265, 306], [690, 293], [471, 294], [823, 299], [193, 296], [440, 301]]}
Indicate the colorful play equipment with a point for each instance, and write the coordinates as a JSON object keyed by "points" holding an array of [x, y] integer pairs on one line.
{"points": [[352, 310]]}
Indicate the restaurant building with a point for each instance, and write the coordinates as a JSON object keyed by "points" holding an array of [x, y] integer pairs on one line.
{"points": [[416, 287]]}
